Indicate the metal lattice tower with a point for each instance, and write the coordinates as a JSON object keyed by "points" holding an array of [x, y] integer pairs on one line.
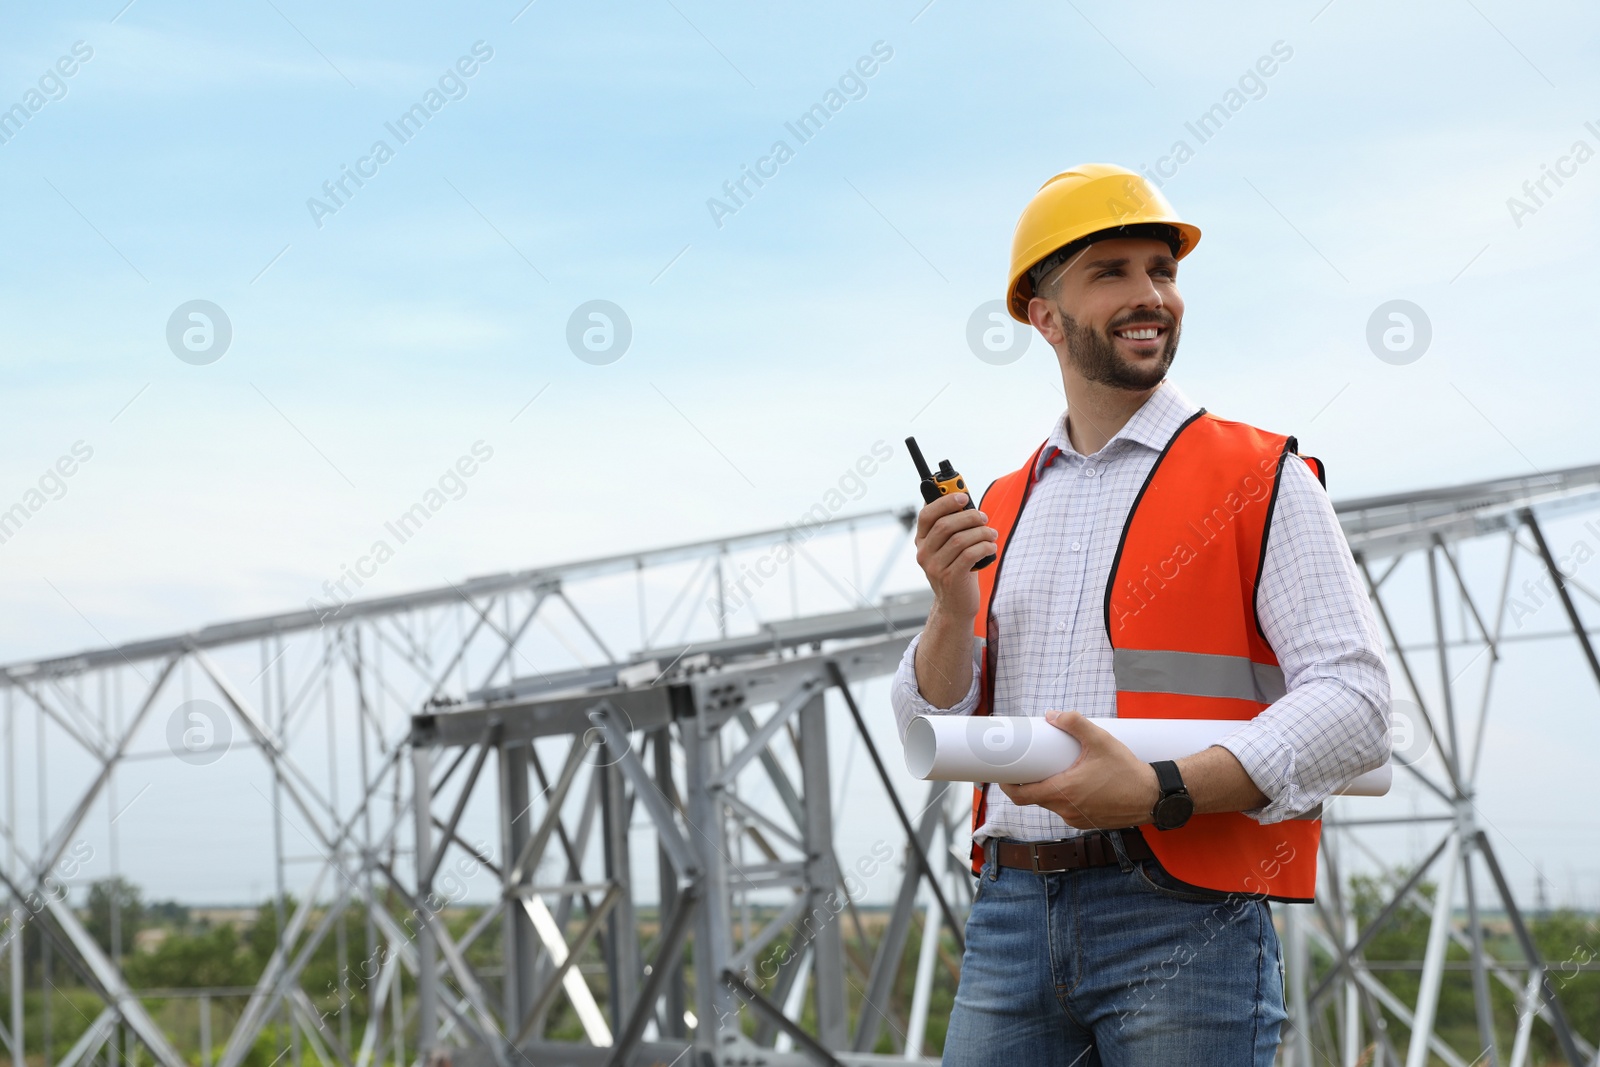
{"points": [[709, 752]]}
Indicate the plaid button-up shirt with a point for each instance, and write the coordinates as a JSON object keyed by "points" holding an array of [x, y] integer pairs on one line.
{"points": [[1332, 724]]}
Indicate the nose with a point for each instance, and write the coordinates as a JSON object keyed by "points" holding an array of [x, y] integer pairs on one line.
{"points": [[1149, 295]]}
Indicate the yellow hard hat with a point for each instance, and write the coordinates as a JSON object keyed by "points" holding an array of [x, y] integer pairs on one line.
{"points": [[1085, 201]]}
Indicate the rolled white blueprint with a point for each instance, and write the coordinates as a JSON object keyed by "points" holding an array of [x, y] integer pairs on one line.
{"points": [[1013, 749]]}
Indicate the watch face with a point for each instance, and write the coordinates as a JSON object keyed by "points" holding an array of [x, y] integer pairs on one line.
{"points": [[1173, 811]]}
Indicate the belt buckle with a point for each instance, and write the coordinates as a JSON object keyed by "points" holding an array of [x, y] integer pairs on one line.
{"points": [[1070, 842]]}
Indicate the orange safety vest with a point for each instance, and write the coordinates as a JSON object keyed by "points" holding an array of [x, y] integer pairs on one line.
{"points": [[1186, 640]]}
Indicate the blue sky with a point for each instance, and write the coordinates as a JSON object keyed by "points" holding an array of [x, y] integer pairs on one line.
{"points": [[768, 352]]}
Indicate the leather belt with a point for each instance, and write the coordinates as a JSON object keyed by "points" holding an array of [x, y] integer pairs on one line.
{"points": [[1069, 854]]}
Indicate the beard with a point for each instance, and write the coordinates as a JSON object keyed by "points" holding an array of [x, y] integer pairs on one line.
{"points": [[1094, 355]]}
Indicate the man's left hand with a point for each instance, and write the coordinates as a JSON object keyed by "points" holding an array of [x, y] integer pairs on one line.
{"points": [[1105, 788]]}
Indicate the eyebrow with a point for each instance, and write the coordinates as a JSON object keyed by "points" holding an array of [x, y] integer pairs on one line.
{"points": [[1122, 261]]}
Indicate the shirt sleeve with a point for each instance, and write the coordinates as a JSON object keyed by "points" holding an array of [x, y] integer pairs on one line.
{"points": [[907, 699], [1333, 722]]}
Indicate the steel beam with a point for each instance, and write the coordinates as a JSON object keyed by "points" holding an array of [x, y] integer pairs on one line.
{"points": [[822, 876], [427, 948], [912, 839], [815, 1049], [518, 939], [1552, 1004], [245, 630], [1560, 581], [672, 1022], [662, 964], [713, 930], [886, 963], [623, 965]]}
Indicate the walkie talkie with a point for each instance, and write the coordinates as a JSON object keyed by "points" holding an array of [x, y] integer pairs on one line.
{"points": [[942, 483]]}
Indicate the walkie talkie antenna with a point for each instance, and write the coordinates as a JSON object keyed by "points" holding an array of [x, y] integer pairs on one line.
{"points": [[943, 483], [916, 457]]}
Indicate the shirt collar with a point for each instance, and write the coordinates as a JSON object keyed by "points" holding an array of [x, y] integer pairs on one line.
{"points": [[1153, 425]]}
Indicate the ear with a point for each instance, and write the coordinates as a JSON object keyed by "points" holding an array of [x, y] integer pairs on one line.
{"points": [[1046, 318]]}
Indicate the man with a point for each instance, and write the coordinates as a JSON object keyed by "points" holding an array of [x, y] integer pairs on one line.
{"points": [[1154, 561]]}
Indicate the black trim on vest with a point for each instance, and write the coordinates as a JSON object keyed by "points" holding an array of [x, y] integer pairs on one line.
{"points": [[1266, 535], [991, 664], [991, 657], [1319, 468], [1127, 524]]}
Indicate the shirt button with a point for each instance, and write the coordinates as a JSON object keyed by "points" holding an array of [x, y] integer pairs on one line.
{"points": [[1076, 547], [1061, 626], [1088, 472]]}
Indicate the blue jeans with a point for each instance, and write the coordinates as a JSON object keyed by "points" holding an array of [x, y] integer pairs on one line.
{"points": [[1113, 967]]}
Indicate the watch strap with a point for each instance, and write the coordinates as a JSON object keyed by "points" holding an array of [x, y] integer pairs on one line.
{"points": [[1167, 777]]}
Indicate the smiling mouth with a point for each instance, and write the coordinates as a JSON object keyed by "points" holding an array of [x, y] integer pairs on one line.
{"points": [[1141, 334]]}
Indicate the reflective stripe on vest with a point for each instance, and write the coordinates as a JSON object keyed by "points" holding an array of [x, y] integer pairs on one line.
{"points": [[1196, 674], [1186, 641]]}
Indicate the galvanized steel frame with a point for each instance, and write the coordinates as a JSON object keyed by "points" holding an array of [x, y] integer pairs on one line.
{"points": [[685, 744]]}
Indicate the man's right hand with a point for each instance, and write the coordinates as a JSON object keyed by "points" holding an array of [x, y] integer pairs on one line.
{"points": [[949, 541]]}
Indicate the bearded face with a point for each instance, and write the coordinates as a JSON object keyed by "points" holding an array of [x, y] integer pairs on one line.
{"points": [[1133, 353]]}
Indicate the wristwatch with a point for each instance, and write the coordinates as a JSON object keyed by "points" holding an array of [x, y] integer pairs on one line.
{"points": [[1175, 805]]}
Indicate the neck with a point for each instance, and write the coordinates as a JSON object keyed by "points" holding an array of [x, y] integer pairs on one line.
{"points": [[1095, 411]]}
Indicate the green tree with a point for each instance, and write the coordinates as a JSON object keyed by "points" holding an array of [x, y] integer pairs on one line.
{"points": [[1568, 942], [167, 913], [206, 959], [130, 918], [261, 939]]}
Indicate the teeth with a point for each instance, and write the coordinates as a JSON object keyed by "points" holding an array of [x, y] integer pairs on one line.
{"points": [[1147, 334]]}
